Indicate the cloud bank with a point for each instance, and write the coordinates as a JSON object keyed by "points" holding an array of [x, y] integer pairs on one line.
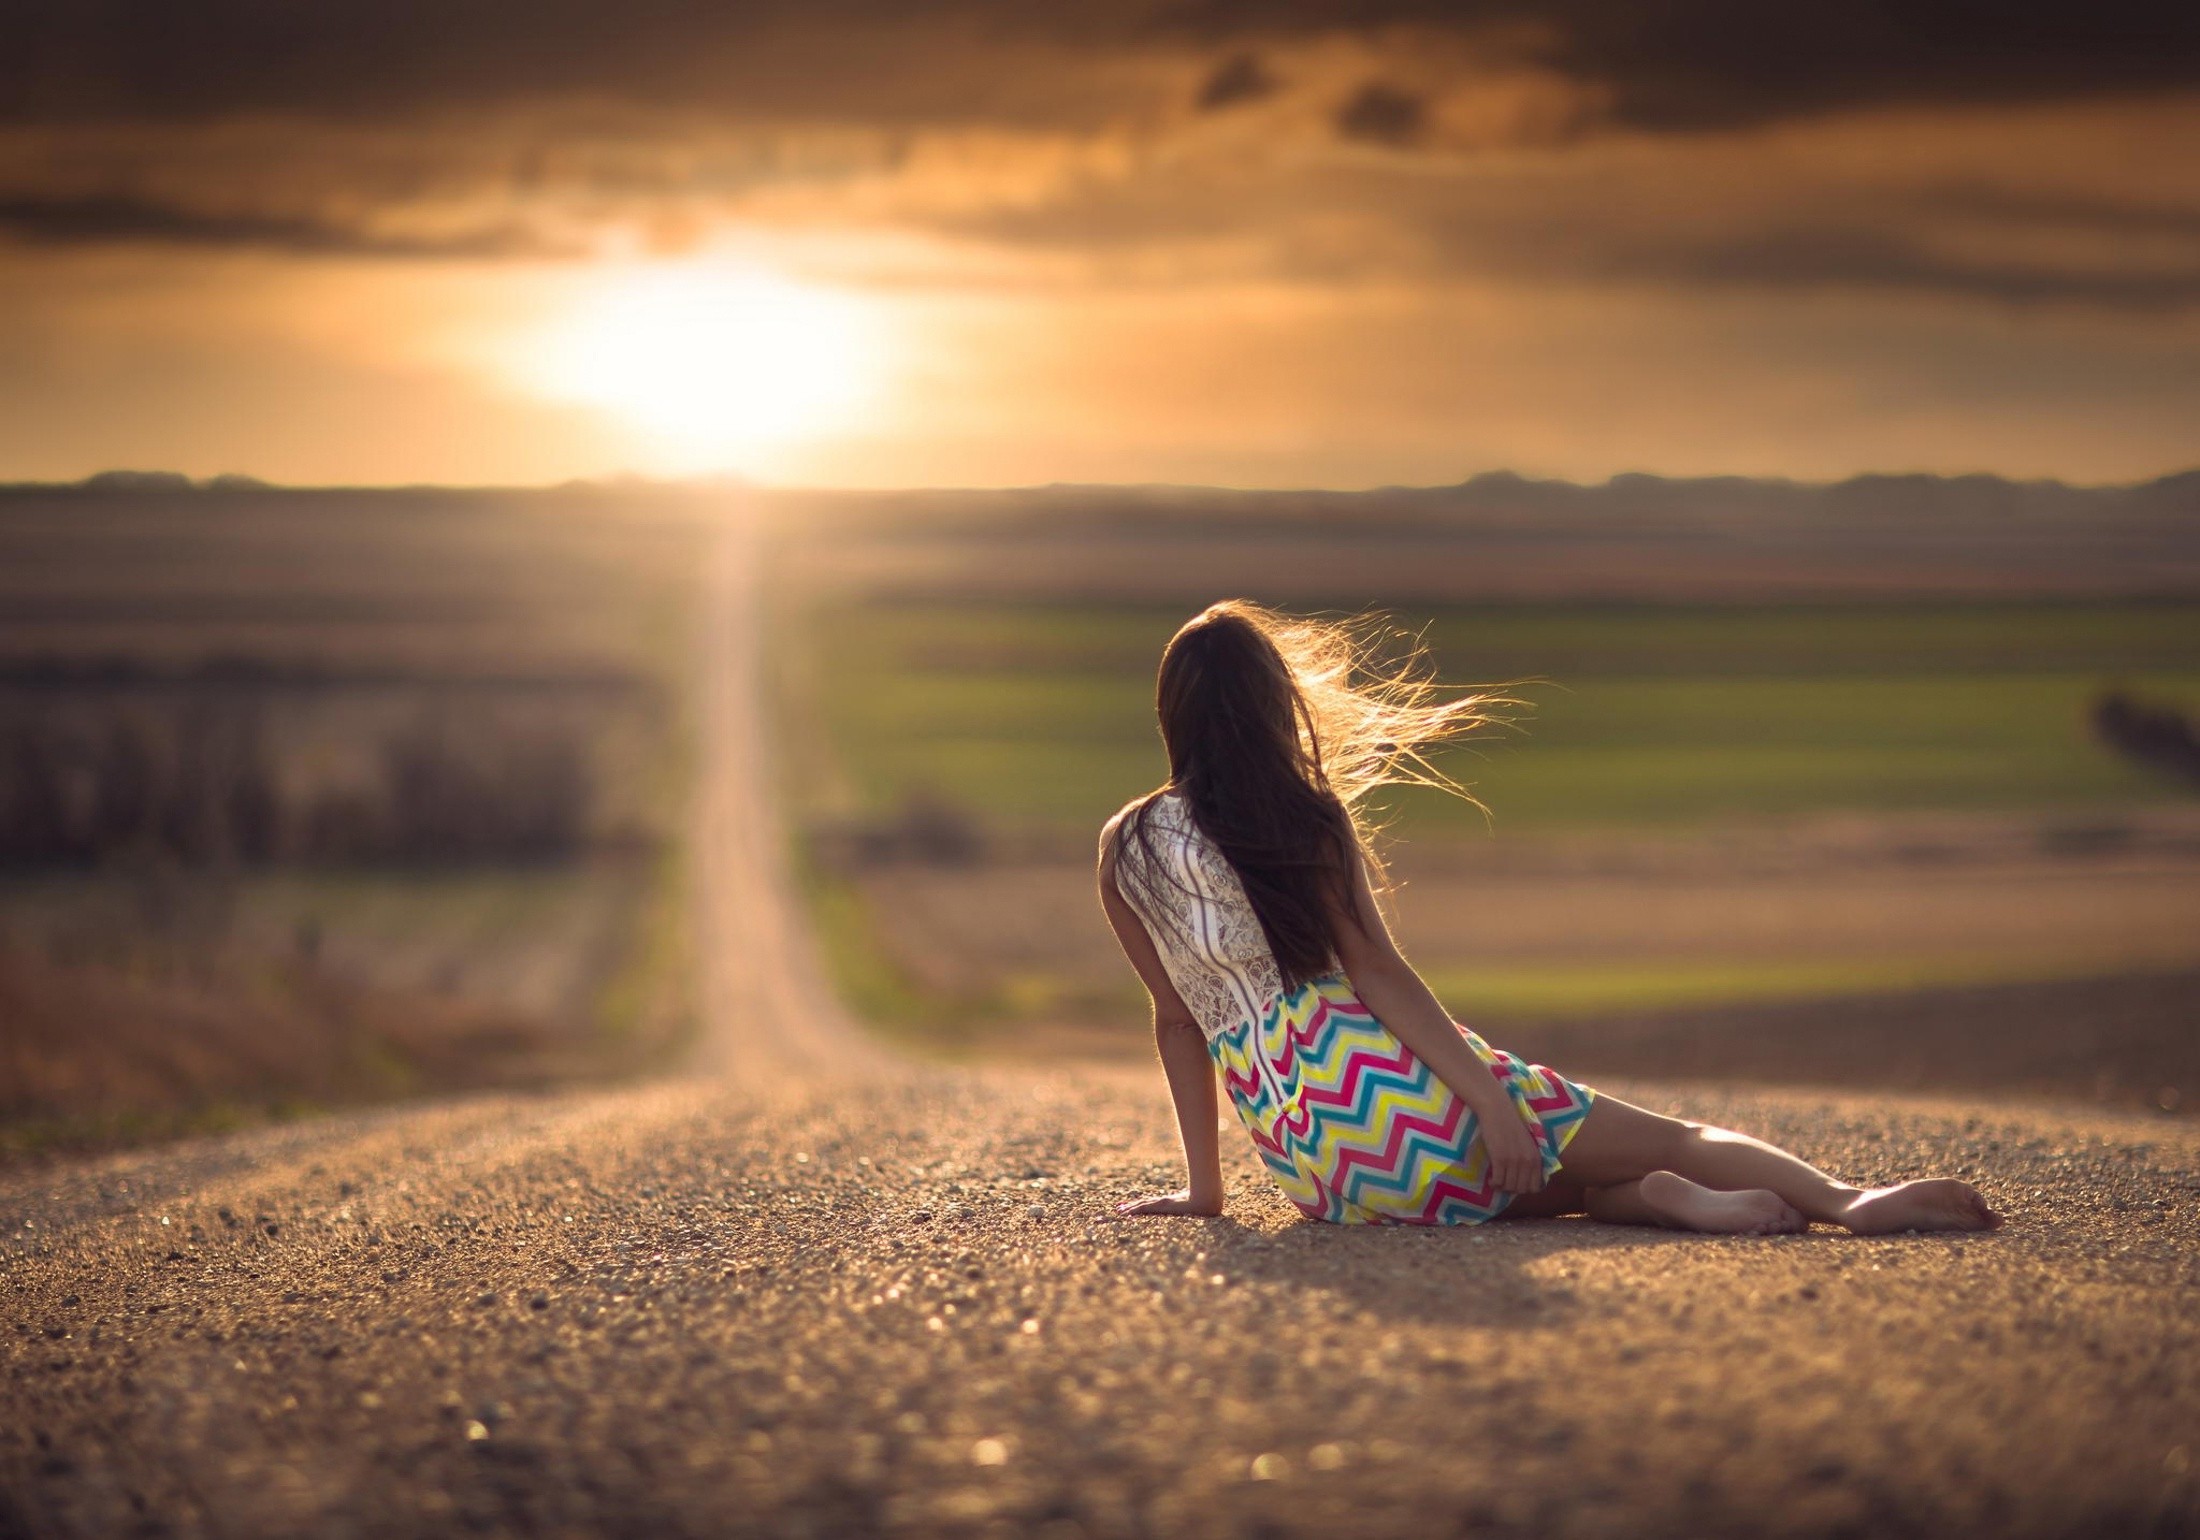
{"points": [[1931, 221]]}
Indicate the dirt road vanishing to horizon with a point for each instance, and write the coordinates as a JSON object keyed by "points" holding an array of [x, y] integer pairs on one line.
{"points": [[814, 1290]]}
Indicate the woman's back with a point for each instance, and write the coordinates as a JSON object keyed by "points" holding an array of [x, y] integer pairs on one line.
{"points": [[1194, 906]]}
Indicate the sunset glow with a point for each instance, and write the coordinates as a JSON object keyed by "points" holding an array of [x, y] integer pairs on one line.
{"points": [[1336, 246], [713, 364]]}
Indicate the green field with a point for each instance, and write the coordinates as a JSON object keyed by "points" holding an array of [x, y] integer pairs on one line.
{"points": [[1636, 715], [1641, 720]]}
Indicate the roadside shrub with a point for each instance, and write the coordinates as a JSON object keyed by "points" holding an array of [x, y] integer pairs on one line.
{"points": [[926, 829], [2159, 737]]}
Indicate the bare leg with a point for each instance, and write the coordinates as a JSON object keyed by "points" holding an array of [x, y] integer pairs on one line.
{"points": [[1622, 1203], [1619, 1143], [1661, 1198], [1673, 1201]]}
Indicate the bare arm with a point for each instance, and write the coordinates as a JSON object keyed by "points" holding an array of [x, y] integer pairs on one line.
{"points": [[1387, 984], [1184, 1060]]}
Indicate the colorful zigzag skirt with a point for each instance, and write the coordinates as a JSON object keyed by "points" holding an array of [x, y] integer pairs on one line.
{"points": [[1357, 1130]]}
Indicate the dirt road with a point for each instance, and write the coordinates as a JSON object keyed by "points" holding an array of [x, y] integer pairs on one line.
{"points": [[793, 1297]]}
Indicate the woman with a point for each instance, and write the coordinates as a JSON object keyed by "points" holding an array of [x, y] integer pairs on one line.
{"points": [[1243, 892]]}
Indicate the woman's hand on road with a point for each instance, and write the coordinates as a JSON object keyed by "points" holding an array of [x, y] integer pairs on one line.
{"points": [[1167, 1203], [1516, 1159]]}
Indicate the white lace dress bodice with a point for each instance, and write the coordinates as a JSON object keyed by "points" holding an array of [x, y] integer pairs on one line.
{"points": [[1209, 939]]}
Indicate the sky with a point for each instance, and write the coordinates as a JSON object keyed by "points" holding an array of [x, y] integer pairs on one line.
{"points": [[1304, 243]]}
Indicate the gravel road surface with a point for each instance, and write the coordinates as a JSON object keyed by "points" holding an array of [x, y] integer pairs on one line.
{"points": [[896, 1307], [822, 1292]]}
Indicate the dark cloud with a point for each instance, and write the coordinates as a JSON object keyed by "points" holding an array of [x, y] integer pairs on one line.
{"points": [[1649, 225], [1696, 64], [1676, 64], [1827, 259], [795, 60], [81, 221], [1383, 114], [464, 128], [1239, 78], [2093, 215]]}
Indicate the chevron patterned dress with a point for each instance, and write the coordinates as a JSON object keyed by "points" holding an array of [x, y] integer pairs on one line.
{"points": [[1355, 1128]]}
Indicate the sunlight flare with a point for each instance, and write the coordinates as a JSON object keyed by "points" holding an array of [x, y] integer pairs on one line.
{"points": [[714, 363]]}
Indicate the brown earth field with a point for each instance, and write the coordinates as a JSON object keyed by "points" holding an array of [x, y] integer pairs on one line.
{"points": [[1946, 953], [1440, 545], [2126, 1042]]}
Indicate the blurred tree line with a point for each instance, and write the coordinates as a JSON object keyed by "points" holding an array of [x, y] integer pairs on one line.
{"points": [[198, 780]]}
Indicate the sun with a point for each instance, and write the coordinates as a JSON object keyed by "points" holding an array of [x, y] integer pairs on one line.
{"points": [[714, 363]]}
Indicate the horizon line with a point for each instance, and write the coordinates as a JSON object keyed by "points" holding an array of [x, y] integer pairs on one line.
{"points": [[124, 480]]}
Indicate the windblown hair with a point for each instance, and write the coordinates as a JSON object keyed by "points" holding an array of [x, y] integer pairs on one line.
{"points": [[1278, 729]]}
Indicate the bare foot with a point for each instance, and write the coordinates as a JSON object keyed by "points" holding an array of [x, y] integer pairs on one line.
{"points": [[1684, 1205], [1937, 1203]]}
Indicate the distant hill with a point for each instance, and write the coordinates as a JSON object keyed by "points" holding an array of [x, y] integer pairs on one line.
{"points": [[1500, 497], [1497, 536], [129, 481], [1507, 537], [1493, 493]]}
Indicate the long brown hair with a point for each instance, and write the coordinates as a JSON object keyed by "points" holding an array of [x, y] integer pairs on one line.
{"points": [[1278, 728]]}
